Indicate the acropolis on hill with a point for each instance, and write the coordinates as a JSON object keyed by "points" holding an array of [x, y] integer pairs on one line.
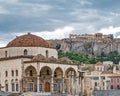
{"points": [[93, 43]]}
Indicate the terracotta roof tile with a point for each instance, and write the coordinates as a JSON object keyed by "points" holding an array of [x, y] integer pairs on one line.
{"points": [[28, 40], [99, 64], [107, 72]]}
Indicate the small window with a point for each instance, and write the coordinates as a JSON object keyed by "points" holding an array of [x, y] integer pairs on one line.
{"points": [[5, 53], [12, 72], [101, 68], [6, 73], [17, 87], [16, 72], [96, 78], [31, 73], [55, 87], [118, 80], [111, 86], [111, 80], [103, 83], [47, 53], [30, 86], [6, 87], [47, 72], [97, 68], [0, 87], [95, 83], [40, 87], [13, 87], [25, 52], [55, 74]]}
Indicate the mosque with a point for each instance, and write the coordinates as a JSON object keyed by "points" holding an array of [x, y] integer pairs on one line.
{"points": [[30, 63]]}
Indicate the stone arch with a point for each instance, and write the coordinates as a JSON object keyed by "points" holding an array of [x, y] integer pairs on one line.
{"points": [[45, 71], [70, 77], [30, 71], [70, 72], [45, 78], [58, 72]]}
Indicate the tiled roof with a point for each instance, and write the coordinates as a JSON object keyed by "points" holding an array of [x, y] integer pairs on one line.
{"points": [[107, 72], [114, 76], [28, 40], [99, 64]]}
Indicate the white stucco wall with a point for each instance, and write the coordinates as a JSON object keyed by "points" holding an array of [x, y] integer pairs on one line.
{"points": [[17, 51]]}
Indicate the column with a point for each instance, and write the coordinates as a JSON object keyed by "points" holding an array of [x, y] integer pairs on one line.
{"points": [[82, 85], [63, 84], [38, 82], [52, 86]]}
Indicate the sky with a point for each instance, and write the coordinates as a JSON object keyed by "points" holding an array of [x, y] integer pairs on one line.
{"points": [[56, 19]]}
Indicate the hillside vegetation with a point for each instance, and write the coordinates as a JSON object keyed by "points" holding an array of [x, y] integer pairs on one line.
{"points": [[77, 58]]}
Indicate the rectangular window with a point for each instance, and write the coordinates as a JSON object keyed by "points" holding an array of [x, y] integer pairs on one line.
{"points": [[96, 78], [30, 86], [111, 80], [13, 87], [55, 87], [17, 87], [118, 80], [103, 83], [95, 83], [111, 86], [0, 87], [118, 87], [103, 77], [40, 87], [6, 74], [6, 87]]}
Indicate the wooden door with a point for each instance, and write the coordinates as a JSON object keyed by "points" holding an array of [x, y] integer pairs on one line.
{"points": [[47, 87]]}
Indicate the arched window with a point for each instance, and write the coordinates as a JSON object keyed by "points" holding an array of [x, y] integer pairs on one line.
{"points": [[47, 55], [17, 85], [5, 53], [6, 85], [6, 73], [47, 71], [12, 85], [25, 52], [31, 73], [16, 72], [12, 72]]}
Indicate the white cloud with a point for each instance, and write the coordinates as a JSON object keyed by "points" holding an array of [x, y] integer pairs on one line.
{"points": [[56, 34], [110, 30], [2, 44], [85, 2], [3, 10]]}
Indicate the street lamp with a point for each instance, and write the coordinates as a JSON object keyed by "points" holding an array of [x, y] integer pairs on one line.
{"points": [[81, 77]]}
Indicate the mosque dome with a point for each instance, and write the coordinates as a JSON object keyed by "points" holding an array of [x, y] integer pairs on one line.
{"points": [[28, 40]]}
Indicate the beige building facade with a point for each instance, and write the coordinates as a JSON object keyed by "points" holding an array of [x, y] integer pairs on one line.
{"points": [[29, 63]]}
